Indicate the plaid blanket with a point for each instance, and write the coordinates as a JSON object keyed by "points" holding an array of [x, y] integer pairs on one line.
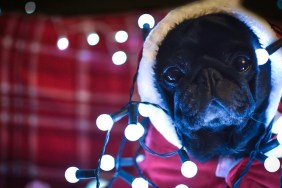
{"points": [[50, 98]]}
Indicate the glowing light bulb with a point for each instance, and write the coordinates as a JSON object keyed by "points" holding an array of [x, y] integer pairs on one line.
{"points": [[107, 162], [189, 169], [93, 39], [63, 43], [121, 36], [143, 109], [70, 174], [139, 183], [140, 158], [104, 122], [93, 183], [181, 186], [119, 58], [134, 131], [30, 7], [146, 19], [271, 164], [262, 56]]}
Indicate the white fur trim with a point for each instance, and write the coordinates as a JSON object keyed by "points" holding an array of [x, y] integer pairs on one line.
{"points": [[146, 77]]}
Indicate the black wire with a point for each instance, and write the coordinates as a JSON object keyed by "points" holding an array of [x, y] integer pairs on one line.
{"points": [[244, 172], [106, 141], [153, 104], [118, 158], [145, 124], [152, 152], [139, 171], [253, 154], [281, 179], [149, 150], [133, 83]]}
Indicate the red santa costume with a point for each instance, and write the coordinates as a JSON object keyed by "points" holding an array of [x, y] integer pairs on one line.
{"points": [[222, 172]]}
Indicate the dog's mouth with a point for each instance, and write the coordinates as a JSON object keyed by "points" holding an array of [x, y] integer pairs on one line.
{"points": [[213, 112]]}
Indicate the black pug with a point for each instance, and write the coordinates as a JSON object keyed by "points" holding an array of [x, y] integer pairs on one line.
{"points": [[200, 64], [207, 74]]}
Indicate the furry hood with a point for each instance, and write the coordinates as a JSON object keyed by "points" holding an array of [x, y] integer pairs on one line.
{"points": [[146, 77]]}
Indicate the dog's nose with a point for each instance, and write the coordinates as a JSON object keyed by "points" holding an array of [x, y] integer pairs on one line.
{"points": [[209, 77]]}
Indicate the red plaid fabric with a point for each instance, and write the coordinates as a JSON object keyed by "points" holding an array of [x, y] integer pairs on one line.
{"points": [[50, 98]]}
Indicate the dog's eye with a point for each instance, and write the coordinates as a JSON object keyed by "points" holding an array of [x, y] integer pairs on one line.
{"points": [[242, 63], [172, 75]]}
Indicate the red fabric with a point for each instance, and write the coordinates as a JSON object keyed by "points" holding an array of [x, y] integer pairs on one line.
{"points": [[257, 176], [165, 172], [50, 98], [280, 107]]}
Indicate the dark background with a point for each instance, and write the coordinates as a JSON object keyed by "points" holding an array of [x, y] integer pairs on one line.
{"points": [[266, 8]]}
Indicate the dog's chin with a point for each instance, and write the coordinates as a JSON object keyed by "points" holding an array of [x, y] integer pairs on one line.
{"points": [[214, 131]]}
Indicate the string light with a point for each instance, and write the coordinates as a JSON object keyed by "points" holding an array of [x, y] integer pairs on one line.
{"points": [[274, 143], [146, 19], [93, 39], [139, 183], [262, 56], [104, 122], [93, 183], [181, 186], [271, 164], [70, 174], [119, 58], [134, 132], [73, 174], [140, 158], [134, 182], [63, 43], [107, 162], [30, 7], [121, 36], [188, 168]]}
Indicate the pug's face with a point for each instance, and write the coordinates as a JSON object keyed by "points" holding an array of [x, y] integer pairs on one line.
{"points": [[207, 74]]}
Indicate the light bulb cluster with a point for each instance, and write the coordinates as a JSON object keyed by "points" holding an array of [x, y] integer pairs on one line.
{"points": [[105, 122], [133, 131], [118, 57]]}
